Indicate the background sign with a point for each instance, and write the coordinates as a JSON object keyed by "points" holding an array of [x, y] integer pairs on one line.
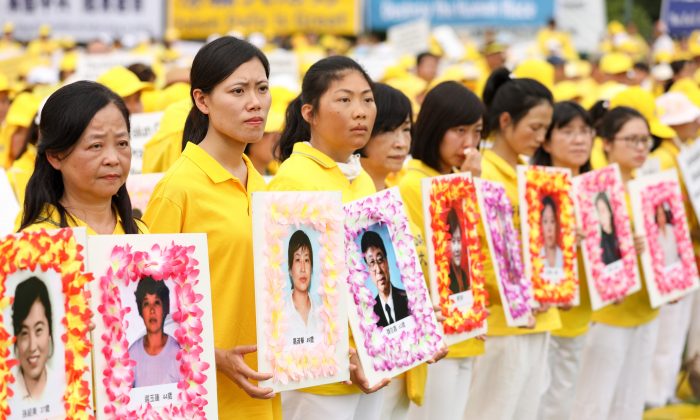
{"points": [[681, 16]]}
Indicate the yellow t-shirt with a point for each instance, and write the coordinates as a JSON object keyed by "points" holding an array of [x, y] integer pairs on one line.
{"points": [[51, 220], [309, 169], [20, 172], [495, 168], [163, 149], [635, 309], [598, 158], [197, 194], [411, 192]]}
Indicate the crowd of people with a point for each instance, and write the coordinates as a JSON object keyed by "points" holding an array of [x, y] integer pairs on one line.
{"points": [[227, 132]]}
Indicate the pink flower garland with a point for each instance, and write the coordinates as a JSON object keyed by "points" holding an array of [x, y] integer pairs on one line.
{"points": [[297, 363], [173, 262], [610, 286], [410, 346], [515, 286], [679, 278]]}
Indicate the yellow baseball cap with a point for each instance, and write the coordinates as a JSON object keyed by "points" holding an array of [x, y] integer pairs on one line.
{"points": [[23, 109], [8, 27], [123, 81], [643, 101], [615, 27], [689, 88], [566, 90], [44, 30], [536, 69], [615, 63]]}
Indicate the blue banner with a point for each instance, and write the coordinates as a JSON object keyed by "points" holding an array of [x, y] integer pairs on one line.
{"points": [[681, 16], [380, 14]]}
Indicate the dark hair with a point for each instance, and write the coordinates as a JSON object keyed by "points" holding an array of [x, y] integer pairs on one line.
{"points": [[547, 200], [26, 293], [447, 105], [614, 119], [213, 64], [598, 110], [299, 239], [393, 108], [513, 96], [641, 65], [370, 238], [602, 196], [149, 286], [66, 114], [453, 220], [425, 54], [144, 72], [676, 66], [316, 82], [667, 213], [564, 113]]}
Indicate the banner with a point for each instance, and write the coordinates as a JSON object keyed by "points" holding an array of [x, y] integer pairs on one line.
{"points": [[681, 16], [199, 19], [380, 14], [584, 20], [84, 19]]}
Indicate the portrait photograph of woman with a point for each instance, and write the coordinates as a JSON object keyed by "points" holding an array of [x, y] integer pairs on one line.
{"points": [[36, 314], [609, 244], [302, 303], [667, 237], [154, 352], [551, 251], [459, 260]]}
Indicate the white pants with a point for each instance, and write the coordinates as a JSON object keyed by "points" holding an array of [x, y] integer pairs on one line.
{"points": [[614, 372], [297, 405], [694, 333], [564, 366], [395, 403], [674, 321], [446, 390], [509, 378]]}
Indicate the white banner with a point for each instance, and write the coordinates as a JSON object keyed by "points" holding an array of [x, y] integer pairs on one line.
{"points": [[84, 19], [410, 37], [143, 127], [689, 163], [584, 19]]}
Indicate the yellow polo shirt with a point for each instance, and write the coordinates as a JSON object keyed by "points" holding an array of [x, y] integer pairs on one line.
{"points": [[163, 149], [598, 158], [197, 194], [20, 172], [635, 309], [495, 168], [411, 192], [50, 220]]}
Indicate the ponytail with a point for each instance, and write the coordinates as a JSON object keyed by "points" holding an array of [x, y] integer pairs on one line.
{"points": [[296, 129], [196, 126]]}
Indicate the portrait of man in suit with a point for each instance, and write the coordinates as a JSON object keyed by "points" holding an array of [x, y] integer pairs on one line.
{"points": [[391, 302]]}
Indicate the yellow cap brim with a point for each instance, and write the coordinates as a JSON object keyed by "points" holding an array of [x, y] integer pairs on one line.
{"points": [[661, 130]]}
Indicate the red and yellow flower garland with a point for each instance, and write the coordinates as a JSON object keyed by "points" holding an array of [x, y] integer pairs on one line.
{"points": [[444, 193], [541, 182], [58, 251]]}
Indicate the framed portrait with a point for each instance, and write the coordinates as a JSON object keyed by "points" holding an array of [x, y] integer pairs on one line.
{"points": [[689, 164], [391, 315], [44, 334], [451, 214], [548, 227], [300, 288], [10, 206], [609, 256], [659, 215], [153, 337], [140, 187], [514, 288]]}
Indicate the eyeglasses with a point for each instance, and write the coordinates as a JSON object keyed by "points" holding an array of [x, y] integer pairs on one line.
{"points": [[635, 141]]}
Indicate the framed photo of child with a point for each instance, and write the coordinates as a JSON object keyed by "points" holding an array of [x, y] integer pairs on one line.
{"points": [[300, 288], [548, 227], [154, 340], [391, 314], [668, 260], [609, 256], [45, 369], [451, 215]]}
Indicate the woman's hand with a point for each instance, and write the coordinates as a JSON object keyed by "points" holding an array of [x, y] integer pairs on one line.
{"points": [[442, 352], [231, 363], [640, 244], [357, 375], [472, 161], [580, 236], [438, 314]]}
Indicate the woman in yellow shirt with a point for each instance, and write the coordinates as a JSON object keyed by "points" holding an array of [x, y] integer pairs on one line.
{"points": [[447, 135], [616, 358], [82, 163], [331, 119], [208, 189], [510, 378], [568, 144]]}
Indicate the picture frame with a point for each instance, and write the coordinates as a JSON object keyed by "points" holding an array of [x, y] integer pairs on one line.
{"points": [[381, 257], [610, 259], [457, 283], [152, 292], [668, 260], [548, 232], [45, 314], [299, 251], [514, 288]]}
